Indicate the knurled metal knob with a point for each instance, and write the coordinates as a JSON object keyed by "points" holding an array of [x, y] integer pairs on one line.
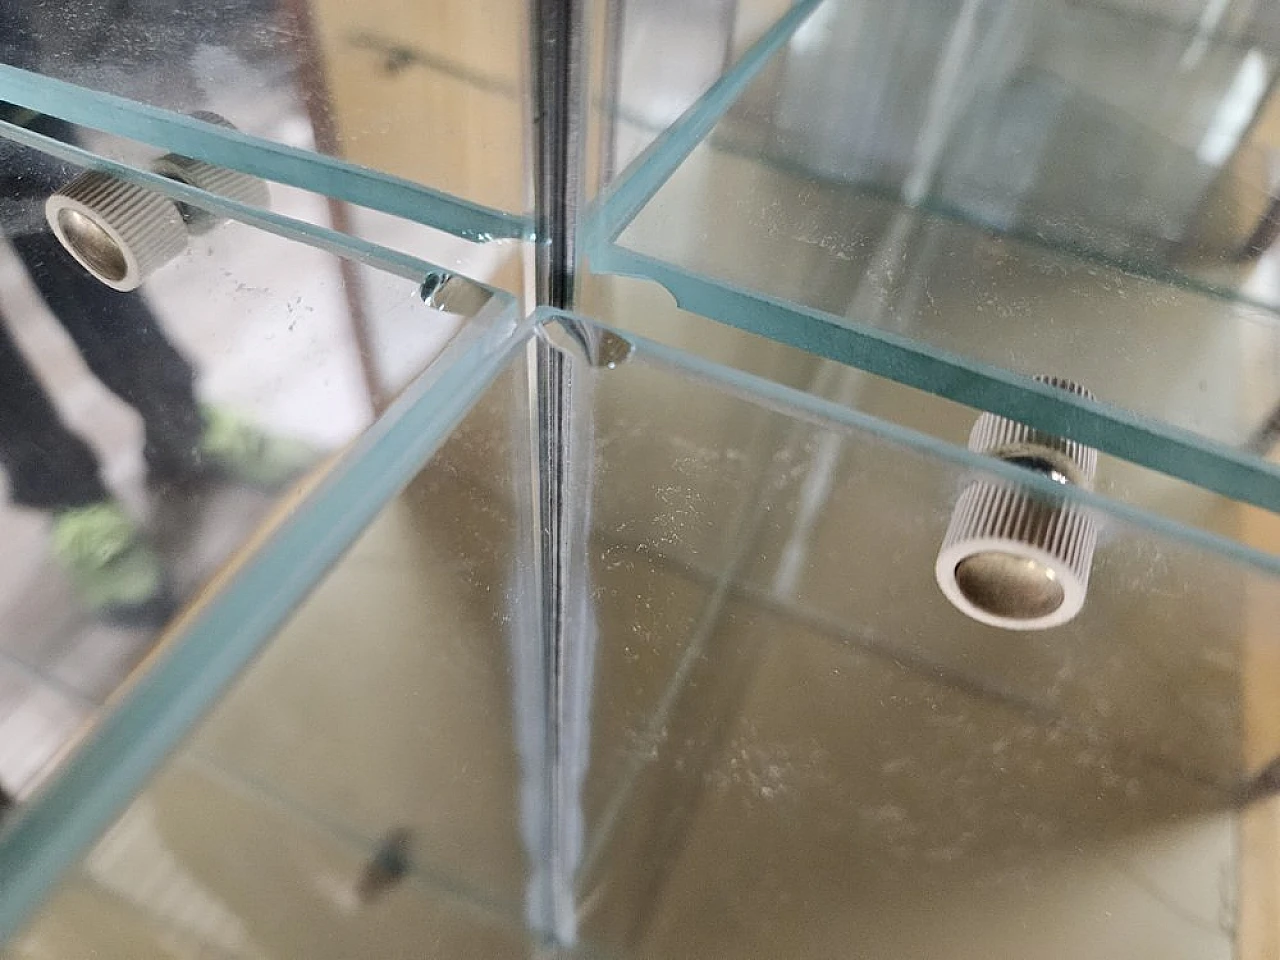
{"points": [[232, 184], [1015, 557], [117, 230]]}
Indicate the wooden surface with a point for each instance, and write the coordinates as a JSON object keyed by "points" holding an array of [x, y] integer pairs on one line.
{"points": [[1259, 937], [430, 91]]}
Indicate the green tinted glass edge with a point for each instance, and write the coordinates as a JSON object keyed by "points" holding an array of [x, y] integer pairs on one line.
{"points": [[224, 147], [340, 244], [1158, 446], [192, 668], [800, 405]]}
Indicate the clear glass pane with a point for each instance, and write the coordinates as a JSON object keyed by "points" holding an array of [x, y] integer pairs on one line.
{"points": [[163, 886], [770, 725], [1038, 188], [814, 747], [657, 58], [419, 609], [362, 83], [147, 436], [303, 817], [1126, 137]]}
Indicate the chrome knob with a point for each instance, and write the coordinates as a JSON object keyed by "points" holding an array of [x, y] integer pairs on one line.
{"points": [[453, 293], [1018, 558], [232, 184], [120, 232]]}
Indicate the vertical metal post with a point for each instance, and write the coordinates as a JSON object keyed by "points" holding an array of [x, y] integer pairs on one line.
{"points": [[558, 69], [553, 818]]}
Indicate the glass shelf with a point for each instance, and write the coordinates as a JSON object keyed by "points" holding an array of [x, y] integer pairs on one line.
{"points": [[647, 310], [990, 214], [761, 689], [298, 83], [295, 332], [637, 655]]}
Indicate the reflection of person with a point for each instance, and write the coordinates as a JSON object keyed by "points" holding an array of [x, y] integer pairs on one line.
{"points": [[110, 563], [112, 567]]}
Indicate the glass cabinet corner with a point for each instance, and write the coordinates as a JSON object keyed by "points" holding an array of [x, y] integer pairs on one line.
{"points": [[772, 479]]}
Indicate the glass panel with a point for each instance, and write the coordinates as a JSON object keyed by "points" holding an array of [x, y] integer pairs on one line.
{"points": [[1078, 124], [301, 816], [362, 84], [771, 726], [420, 609], [659, 57], [147, 436], [1128, 138], [798, 743], [228, 627], [164, 886], [916, 231], [646, 310]]}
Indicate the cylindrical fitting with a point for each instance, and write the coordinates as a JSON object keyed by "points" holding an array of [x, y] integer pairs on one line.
{"points": [[117, 230], [232, 184], [1014, 557]]}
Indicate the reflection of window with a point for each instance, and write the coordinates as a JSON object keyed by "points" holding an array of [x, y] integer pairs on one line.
{"points": [[1235, 111]]}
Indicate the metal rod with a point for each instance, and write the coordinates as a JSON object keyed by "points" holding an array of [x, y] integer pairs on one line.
{"points": [[557, 80], [557, 68]]}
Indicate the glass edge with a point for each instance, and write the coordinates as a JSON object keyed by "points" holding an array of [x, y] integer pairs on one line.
{"points": [[626, 195], [792, 402], [340, 244], [208, 648], [1235, 474], [316, 172]]}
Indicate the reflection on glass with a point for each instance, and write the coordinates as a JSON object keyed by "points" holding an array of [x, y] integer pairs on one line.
{"points": [[362, 82], [793, 741], [146, 435], [1083, 124], [1050, 188]]}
